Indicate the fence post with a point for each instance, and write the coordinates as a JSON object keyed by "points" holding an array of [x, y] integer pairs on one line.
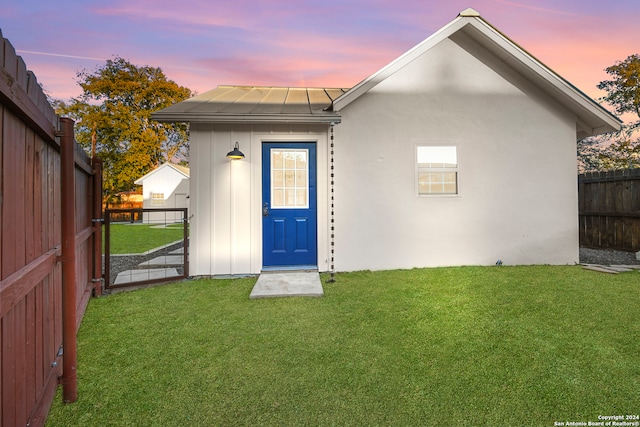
{"points": [[97, 225], [185, 238], [69, 291]]}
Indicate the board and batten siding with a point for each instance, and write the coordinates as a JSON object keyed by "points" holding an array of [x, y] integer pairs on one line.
{"points": [[517, 198], [225, 201]]}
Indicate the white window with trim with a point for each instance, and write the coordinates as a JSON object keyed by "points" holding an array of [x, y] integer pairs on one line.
{"points": [[437, 170], [157, 199]]}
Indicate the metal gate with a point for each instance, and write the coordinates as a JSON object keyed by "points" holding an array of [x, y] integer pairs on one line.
{"points": [[145, 246]]}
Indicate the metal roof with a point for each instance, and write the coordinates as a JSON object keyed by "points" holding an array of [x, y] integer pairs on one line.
{"points": [[256, 104], [180, 169]]}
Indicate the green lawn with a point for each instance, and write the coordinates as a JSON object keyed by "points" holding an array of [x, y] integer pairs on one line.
{"points": [[470, 346], [137, 238]]}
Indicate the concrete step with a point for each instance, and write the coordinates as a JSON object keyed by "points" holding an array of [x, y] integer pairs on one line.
{"points": [[287, 284]]}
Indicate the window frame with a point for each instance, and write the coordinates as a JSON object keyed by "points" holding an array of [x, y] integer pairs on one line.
{"points": [[157, 199], [430, 169], [284, 187]]}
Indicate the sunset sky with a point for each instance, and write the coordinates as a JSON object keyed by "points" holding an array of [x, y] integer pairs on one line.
{"points": [[334, 43]]}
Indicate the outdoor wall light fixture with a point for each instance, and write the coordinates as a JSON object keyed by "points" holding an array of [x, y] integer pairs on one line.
{"points": [[236, 154]]}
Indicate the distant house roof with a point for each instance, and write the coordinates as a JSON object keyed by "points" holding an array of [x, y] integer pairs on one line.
{"points": [[233, 104], [180, 169]]}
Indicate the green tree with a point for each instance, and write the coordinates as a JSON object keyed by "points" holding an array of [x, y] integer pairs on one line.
{"points": [[113, 121], [623, 90], [620, 150], [592, 155]]}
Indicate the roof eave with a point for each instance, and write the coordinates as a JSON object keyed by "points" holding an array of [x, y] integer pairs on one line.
{"points": [[140, 180], [247, 118], [584, 130], [177, 169]]}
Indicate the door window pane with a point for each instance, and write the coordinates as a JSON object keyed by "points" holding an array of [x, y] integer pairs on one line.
{"points": [[301, 198], [278, 179], [276, 160], [277, 197], [289, 178]]}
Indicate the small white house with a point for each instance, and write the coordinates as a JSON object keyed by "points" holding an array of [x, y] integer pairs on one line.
{"points": [[460, 152], [167, 186]]}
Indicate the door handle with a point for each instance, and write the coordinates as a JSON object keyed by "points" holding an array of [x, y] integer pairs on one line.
{"points": [[265, 209]]}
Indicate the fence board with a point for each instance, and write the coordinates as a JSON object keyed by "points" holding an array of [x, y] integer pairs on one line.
{"points": [[1, 194], [9, 261], [30, 349], [8, 370], [12, 93], [20, 351], [39, 337], [31, 330], [609, 207]]}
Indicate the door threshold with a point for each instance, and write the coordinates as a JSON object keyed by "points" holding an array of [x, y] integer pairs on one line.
{"points": [[279, 268]]}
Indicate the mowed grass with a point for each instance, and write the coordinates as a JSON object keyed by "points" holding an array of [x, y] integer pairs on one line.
{"points": [[138, 238], [469, 346]]}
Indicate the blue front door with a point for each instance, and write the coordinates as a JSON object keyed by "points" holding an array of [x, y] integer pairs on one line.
{"points": [[289, 205]]}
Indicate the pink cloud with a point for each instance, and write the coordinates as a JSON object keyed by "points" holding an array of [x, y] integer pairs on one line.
{"points": [[579, 53], [290, 58], [140, 11], [201, 44], [236, 14], [59, 55], [545, 10], [58, 79]]}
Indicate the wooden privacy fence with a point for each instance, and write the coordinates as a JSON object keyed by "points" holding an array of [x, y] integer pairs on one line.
{"points": [[49, 245], [609, 207]]}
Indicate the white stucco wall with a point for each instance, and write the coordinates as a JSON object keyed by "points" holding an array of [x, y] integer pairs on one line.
{"points": [[517, 198], [226, 196]]}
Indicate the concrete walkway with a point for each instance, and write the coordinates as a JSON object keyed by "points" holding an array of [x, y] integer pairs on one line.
{"points": [[287, 284], [163, 261], [130, 276], [160, 267]]}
